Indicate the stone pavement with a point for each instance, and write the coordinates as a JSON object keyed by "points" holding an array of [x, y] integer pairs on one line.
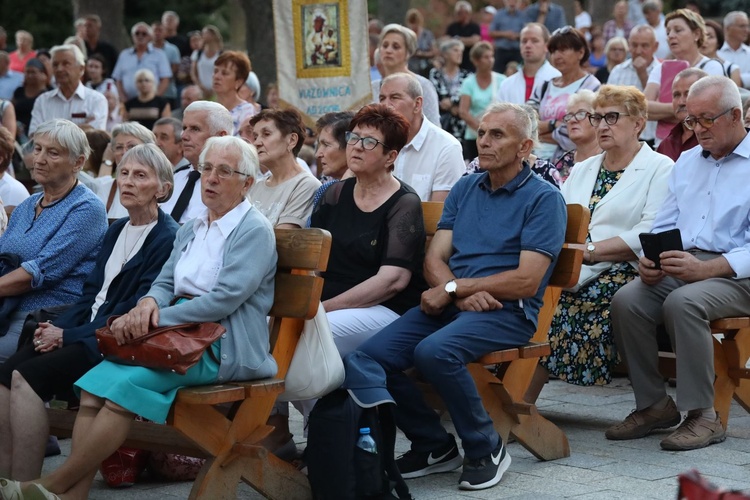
{"points": [[597, 469]]}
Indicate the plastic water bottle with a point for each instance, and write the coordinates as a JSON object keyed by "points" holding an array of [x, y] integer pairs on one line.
{"points": [[366, 442]]}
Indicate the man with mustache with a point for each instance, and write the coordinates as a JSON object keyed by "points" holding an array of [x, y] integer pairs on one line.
{"points": [[680, 138]]}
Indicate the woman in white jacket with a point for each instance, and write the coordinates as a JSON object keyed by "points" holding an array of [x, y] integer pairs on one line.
{"points": [[624, 188]]}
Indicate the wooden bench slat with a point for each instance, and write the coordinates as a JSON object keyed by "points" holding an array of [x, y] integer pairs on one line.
{"points": [[302, 249], [296, 296], [210, 394], [493, 358], [534, 350], [567, 268], [264, 386], [720, 325]]}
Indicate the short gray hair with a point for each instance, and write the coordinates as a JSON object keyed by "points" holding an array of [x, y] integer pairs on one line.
{"points": [[523, 121], [732, 18], [448, 44], [248, 162], [219, 119], [136, 130], [729, 94], [68, 135], [144, 71], [69, 47], [696, 73], [145, 25], [413, 87], [643, 28], [583, 96], [410, 38], [463, 5], [534, 117], [150, 155], [175, 123]]}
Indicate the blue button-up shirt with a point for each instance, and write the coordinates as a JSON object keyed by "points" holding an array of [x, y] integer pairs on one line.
{"points": [[9, 82], [129, 63]]}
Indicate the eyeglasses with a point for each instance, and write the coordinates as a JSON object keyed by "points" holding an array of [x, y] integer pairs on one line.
{"points": [[578, 116], [691, 121], [609, 118], [368, 143], [222, 171]]}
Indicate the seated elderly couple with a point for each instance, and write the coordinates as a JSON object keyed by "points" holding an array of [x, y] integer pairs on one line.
{"points": [[135, 268]]}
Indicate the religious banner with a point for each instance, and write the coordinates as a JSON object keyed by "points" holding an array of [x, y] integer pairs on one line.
{"points": [[322, 56]]}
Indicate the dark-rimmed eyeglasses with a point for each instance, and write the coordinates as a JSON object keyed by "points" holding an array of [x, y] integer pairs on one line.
{"points": [[577, 116], [609, 118], [368, 143], [691, 121], [222, 171]]}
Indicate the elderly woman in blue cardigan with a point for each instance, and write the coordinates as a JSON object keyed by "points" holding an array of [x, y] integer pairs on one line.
{"points": [[55, 234], [226, 260], [134, 250]]}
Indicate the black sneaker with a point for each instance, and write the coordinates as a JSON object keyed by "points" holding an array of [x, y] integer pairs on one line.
{"points": [[417, 464], [485, 472]]}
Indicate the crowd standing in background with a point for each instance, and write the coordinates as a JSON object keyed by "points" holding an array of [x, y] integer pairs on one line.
{"points": [[506, 94]]}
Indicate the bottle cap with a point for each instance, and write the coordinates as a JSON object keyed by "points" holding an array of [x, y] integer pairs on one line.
{"points": [[364, 430]]}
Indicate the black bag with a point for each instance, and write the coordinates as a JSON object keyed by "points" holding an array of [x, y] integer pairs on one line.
{"points": [[336, 468]]}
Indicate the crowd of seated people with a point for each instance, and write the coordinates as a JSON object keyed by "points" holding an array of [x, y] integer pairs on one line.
{"points": [[194, 197]]}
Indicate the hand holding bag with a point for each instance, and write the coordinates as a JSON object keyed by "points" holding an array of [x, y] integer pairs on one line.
{"points": [[174, 348], [316, 368]]}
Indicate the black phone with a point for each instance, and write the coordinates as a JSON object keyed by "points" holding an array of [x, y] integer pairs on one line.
{"points": [[655, 243]]}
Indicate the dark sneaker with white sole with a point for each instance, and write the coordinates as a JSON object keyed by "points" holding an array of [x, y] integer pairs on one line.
{"points": [[417, 464], [485, 472]]}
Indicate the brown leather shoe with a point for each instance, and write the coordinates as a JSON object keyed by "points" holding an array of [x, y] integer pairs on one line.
{"points": [[641, 422], [695, 432]]}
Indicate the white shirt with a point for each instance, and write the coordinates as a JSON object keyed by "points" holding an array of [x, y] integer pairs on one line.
{"points": [[197, 270], [708, 204], [740, 57], [625, 74], [431, 161], [129, 242], [195, 206], [583, 20], [12, 191], [513, 88], [660, 32], [84, 106]]}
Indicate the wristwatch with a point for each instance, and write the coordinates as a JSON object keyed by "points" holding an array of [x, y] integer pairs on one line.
{"points": [[591, 248], [451, 288], [109, 163]]}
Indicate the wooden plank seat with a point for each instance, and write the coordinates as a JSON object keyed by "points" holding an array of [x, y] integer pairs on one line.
{"points": [[502, 390], [229, 439]]}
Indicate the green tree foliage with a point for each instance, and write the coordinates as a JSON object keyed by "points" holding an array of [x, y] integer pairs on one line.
{"points": [[45, 19]]}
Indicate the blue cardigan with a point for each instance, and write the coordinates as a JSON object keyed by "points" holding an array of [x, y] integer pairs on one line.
{"points": [[133, 281], [240, 300]]}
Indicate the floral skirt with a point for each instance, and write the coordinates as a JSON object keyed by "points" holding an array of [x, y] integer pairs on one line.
{"points": [[581, 338]]}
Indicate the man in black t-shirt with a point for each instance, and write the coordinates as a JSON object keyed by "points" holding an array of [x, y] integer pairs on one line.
{"points": [[93, 27], [171, 21], [465, 30]]}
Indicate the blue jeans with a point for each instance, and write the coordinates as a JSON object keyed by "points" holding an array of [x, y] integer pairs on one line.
{"points": [[440, 347]]}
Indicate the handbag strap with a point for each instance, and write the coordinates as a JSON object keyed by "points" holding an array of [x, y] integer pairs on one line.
{"points": [[155, 331]]}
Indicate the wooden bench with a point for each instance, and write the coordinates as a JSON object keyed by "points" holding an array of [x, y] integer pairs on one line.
{"points": [[196, 427], [730, 356], [502, 390]]}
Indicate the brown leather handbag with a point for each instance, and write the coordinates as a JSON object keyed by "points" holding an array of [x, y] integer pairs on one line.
{"points": [[175, 348]]}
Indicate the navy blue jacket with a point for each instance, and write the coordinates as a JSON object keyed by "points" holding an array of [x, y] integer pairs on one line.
{"points": [[129, 285]]}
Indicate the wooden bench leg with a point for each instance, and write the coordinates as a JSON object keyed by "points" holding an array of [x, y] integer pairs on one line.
{"points": [[742, 394], [274, 478], [217, 482], [541, 437]]}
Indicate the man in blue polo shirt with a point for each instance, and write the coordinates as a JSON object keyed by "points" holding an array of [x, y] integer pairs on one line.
{"points": [[488, 266], [142, 55]]}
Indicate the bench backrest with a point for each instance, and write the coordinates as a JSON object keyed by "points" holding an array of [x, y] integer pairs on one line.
{"points": [[302, 254], [569, 262]]}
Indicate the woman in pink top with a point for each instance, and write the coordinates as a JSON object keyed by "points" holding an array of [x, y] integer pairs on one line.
{"points": [[24, 52]]}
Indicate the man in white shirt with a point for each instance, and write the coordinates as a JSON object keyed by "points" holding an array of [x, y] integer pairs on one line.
{"points": [[536, 68], [201, 120], [71, 100], [635, 71], [652, 13], [709, 280], [432, 160], [736, 29]]}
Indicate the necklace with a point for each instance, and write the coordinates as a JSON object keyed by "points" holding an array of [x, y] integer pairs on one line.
{"points": [[41, 205], [143, 231]]}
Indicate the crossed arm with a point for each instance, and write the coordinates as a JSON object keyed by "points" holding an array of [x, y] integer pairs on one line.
{"points": [[478, 294]]}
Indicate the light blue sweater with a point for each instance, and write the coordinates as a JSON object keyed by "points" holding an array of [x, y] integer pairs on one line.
{"points": [[240, 300]]}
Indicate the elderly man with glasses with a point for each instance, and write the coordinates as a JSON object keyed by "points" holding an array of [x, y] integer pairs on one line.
{"points": [[710, 279], [141, 55]]}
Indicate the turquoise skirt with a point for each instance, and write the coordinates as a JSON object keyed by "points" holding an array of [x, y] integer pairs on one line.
{"points": [[145, 391]]}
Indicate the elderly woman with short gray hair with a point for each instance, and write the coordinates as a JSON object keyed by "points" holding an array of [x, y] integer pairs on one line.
{"points": [[55, 234], [447, 81], [134, 250]]}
